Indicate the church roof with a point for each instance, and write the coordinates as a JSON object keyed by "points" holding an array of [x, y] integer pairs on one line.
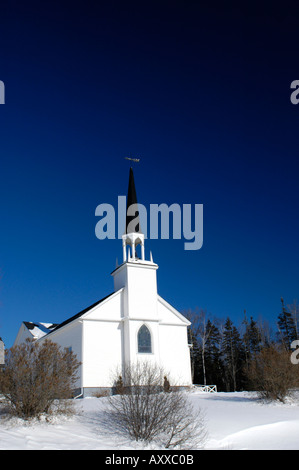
{"points": [[38, 329], [78, 315]]}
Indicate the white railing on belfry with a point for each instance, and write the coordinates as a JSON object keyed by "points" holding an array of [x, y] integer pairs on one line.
{"points": [[206, 388]]}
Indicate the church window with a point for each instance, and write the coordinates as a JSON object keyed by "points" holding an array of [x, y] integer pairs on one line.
{"points": [[144, 340]]}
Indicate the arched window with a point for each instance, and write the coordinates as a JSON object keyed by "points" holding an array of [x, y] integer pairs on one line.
{"points": [[144, 340]]}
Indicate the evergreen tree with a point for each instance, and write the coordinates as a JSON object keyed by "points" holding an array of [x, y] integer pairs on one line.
{"points": [[214, 366], [252, 343], [233, 357], [196, 368], [286, 327], [251, 338], [194, 346]]}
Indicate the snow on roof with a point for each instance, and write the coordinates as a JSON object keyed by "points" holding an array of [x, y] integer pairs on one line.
{"points": [[38, 330]]}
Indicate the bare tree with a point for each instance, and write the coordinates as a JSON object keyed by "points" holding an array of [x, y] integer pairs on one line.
{"points": [[265, 332], [272, 374], [201, 329], [145, 412]]}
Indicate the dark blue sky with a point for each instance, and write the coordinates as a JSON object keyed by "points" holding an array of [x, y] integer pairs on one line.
{"points": [[201, 92]]}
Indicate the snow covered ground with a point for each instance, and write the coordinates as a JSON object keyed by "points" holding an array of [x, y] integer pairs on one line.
{"points": [[234, 421]]}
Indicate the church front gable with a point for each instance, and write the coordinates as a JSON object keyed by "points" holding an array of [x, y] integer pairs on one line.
{"points": [[169, 315], [111, 309]]}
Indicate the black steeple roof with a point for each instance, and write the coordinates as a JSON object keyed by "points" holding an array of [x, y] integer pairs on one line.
{"points": [[132, 199]]}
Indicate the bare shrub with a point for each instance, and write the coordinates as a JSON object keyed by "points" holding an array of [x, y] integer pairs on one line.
{"points": [[272, 374], [144, 411], [35, 376]]}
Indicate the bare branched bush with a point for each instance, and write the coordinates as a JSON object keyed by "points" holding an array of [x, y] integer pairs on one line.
{"points": [[272, 374], [144, 411], [35, 376]]}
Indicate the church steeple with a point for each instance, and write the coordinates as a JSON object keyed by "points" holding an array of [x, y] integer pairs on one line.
{"points": [[133, 235], [132, 199]]}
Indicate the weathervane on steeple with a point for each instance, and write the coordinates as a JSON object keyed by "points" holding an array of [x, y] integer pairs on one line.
{"points": [[137, 160]]}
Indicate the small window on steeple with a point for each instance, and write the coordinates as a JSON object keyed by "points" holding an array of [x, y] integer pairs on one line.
{"points": [[144, 340]]}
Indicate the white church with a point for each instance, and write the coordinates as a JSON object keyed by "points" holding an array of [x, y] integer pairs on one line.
{"points": [[130, 325]]}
